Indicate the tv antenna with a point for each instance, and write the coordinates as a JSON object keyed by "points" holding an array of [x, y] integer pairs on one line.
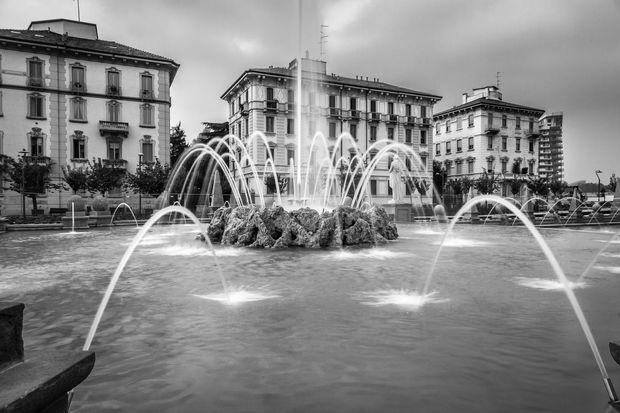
{"points": [[323, 41], [497, 77]]}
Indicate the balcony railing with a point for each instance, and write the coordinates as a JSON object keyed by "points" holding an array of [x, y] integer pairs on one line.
{"points": [[35, 82], [113, 90], [334, 113], [425, 122], [77, 87], [290, 107], [409, 120], [355, 114], [245, 109], [270, 105], [146, 94], [390, 118], [374, 117], [121, 128], [115, 163], [38, 160], [491, 130]]}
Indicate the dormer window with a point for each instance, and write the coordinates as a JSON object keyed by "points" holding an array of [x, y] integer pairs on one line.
{"points": [[78, 82], [113, 84], [35, 72], [146, 86]]}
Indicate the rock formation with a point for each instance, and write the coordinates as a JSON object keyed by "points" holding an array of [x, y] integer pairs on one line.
{"points": [[274, 227]]}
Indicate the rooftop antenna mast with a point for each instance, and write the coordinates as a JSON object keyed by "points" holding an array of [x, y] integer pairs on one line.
{"points": [[78, 9], [497, 76], [323, 41]]}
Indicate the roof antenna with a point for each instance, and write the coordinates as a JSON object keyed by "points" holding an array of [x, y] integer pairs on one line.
{"points": [[323, 41], [78, 4], [497, 76]]}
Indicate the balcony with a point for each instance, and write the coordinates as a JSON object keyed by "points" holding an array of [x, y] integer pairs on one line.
{"points": [[245, 109], [35, 82], [491, 130], [390, 118], [333, 113], [146, 94], [77, 87], [409, 120], [425, 122], [114, 163], [113, 90], [270, 106], [374, 117], [290, 107], [113, 128], [355, 114], [38, 160], [531, 133]]}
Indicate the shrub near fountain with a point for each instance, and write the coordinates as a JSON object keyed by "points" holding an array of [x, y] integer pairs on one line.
{"points": [[75, 217], [100, 213]]}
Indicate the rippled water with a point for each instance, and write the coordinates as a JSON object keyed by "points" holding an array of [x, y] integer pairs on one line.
{"points": [[340, 330]]}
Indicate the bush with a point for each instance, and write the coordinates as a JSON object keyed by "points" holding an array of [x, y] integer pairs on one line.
{"points": [[100, 204], [79, 203]]}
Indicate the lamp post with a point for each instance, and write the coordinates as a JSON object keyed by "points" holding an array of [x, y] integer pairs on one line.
{"points": [[140, 158], [23, 154], [598, 192]]}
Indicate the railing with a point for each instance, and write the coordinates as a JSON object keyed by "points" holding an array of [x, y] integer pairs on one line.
{"points": [[114, 163], [425, 122], [113, 90], [113, 127], [77, 87], [38, 160], [390, 118], [245, 109], [374, 117], [491, 130], [334, 112], [146, 94], [35, 82], [270, 105], [355, 114]]}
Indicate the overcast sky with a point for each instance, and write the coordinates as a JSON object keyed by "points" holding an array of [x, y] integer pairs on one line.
{"points": [[557, 55]]}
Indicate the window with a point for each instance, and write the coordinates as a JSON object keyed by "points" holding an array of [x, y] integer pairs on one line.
{"points": [[518, 123], [504, 165], [437, 149], [490, 165], [459, 123], [422, 137], [332, 129], [531, 125], [114, 150], [407, 135], [470, 121], [36, 106], [470, 143], [504, 143], [353, 104], [246, 123], [35, 72], [459, 145], [373, 105], [270, 152], [448, 148], [390, 134], [408, 163], [269, 124], [531, 148], [269, 93], [114, 109], [36, 145], [147, 151], [448, 125], [373, 133], [373, 187], [113, 82], [353, 130], [437, 129], [332, 101], [518, 145], [470, 167], [78, 83], [78, 110], [290, 98], [290, 126], [408, 109], [311, 98], [290, 156], [146, 86], [1, 110], [146, 115], [423, 111], [423, 161], [391, 108], [459, 168], [490, 142], [504, 121]]}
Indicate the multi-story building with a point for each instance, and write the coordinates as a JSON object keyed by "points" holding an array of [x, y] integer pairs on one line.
{"points": [[487, 134], [67, 96], [551, 149], [264, 100]]}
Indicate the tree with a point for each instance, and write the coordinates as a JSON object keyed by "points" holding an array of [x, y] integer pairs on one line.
{"points": [[103, 178], [440, 176], [466, 184], [177, 143], [515, 186], [150, 179], [612, 182], [486, 184], [35, 182], [539, 186], [76, 178], [558, 187]]}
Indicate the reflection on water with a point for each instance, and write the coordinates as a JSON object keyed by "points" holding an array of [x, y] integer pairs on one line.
{"points": [[547, 284], [402, 298]]}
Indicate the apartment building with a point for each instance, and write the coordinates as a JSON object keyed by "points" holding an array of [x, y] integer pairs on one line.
{"points": [[67, 96], [551, 147]]}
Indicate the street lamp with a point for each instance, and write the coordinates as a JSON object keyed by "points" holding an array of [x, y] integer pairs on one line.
{"points": [[140, 158], [598, 192], [23, 154]]}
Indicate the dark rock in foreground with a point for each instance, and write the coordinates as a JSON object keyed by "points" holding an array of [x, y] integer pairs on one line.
{"points": [[274, 227]]}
